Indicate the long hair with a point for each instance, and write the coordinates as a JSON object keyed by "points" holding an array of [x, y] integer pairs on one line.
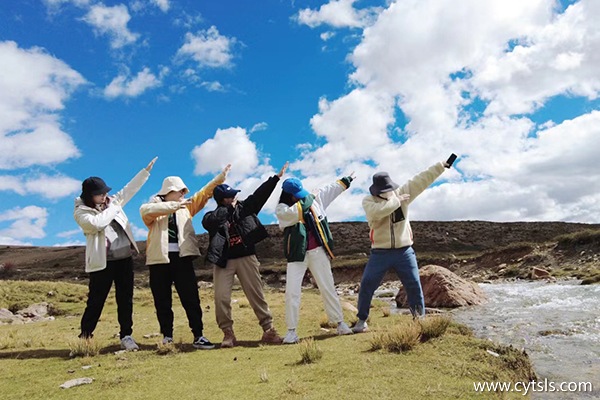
{"points": [[287, 198], [88, 199]]}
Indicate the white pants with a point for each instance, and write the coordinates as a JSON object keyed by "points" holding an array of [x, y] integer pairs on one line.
{"points": [[318, 263]]}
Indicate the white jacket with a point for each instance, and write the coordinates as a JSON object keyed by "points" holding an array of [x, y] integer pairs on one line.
{"points": [[385, 232], [93, 222]]}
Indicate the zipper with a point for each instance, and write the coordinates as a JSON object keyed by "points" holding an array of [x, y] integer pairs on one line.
{"points": [[392, 232], [288, 244]]}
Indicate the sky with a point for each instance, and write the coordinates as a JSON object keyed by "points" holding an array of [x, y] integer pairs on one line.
{"points": [[99, 88]]}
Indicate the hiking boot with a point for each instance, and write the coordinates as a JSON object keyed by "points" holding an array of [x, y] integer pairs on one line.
{"points": [[291, 337], [167, 340], [360, 326], [202, 343], [270, 336], [228, 338], [343, 329], [129, 344]]}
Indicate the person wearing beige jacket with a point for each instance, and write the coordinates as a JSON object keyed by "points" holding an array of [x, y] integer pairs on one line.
{"points": [[391, 239], [170, 249]]}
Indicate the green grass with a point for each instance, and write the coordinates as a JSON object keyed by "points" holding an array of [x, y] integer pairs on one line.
{"points": [[34, 358]]}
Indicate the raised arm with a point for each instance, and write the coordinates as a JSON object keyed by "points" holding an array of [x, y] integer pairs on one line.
{"points": [[417, 184], [201, 197], [123, 196], [328, 193]]}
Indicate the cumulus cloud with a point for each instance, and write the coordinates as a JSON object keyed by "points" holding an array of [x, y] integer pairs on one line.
{"points": [[468, 78], [208, 48], [261, 126], [164, 5], [126, 86], [213, 86], [27, 222], [70, 233], [34, 87], [337, 13], [111, 22], [50, 187]]}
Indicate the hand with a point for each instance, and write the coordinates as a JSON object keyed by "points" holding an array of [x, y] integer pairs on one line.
{"points": [[226, 170], [151, 164], [352, 176], [403, 197], [184, 203], [283, 169]]}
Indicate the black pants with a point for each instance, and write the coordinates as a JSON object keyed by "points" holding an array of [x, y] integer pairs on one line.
{"points": [[180, 272], [120, 272]]}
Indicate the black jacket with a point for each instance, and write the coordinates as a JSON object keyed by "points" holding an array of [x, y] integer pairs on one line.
{"points": [[240, 219]]}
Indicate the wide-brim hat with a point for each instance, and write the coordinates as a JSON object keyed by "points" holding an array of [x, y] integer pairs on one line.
{"points": [[382, 183], [172, 184], [294, 187], [94, 186]]}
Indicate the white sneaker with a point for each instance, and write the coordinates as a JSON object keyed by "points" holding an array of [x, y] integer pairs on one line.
{"points": [[167, 340], [343, 329], [360, 326], [129, 344], [291, 337]]}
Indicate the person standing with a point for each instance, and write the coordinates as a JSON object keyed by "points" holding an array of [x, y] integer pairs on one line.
{"points": [[234, 229], [170, 249], [391, 239], [308, 244], [109, 244]]}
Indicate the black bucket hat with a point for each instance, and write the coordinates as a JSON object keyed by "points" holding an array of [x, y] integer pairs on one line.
{"points": [[94, 186], [382, 183]]}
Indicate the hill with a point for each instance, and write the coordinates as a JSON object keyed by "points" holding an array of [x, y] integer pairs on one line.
{"points": [[478, 250]]}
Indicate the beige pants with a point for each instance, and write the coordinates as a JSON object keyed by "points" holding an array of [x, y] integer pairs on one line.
{"points": [[246, 268]]}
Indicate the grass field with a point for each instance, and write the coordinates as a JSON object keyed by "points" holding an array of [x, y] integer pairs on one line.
{"points": [[34, 358]]}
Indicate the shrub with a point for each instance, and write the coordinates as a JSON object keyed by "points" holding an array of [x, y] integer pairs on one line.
{"points": [[325, 323], [397, 339], [434, 326], [309, 351], [83, 348], [165, 348]]}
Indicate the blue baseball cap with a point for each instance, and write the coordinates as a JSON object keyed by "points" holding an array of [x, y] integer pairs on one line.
{"points": [[294, 187], [224, 192]]}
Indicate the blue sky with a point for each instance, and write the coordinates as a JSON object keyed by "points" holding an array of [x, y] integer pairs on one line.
{"points": [[101, 87]]}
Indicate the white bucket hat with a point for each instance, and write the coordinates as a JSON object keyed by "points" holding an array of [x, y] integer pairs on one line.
{"points": [[172, 184]]}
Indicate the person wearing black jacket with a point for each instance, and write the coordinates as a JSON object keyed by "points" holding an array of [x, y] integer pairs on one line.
{"points": [[234, 229]]}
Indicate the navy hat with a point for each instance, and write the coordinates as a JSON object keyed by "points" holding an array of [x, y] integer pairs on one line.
{"points": [[94, 186], [224, 192], [294, 187], [382, 183]]}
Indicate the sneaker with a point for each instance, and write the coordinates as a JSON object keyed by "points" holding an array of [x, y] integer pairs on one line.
{"points": [[229, 339], [343, 329], [167, 340], [203, 343], [291, 337], [360, 326], [271, 336], [129, 344]]}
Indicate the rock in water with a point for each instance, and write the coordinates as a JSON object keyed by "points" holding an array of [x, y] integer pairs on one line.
{"points": [[443, 288]]}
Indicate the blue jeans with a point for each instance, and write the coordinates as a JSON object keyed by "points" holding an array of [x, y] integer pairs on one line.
{"points": [[404, 262]]}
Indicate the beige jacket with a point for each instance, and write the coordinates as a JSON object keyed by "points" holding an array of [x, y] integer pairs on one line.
{"points": [[387, 231], [155, 215], [93, 222]]}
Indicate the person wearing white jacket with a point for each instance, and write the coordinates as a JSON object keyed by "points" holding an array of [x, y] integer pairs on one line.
{"points": [[109, 242], [308, 244], [391, 239]]}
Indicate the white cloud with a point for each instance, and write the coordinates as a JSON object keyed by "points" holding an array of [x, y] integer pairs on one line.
{"points": [[213, 86], [27, 222], [125, 86], [70, 243], [337, 13], [139, 233], [34, 87], [325, 36], [228, 146], [69, 233], [261, 126], [50, 187], [512, 57], [112, 22], [164, 5], [55, 4], [208, 48]]}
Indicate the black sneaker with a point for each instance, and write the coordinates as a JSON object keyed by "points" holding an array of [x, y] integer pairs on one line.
{"points": [[203, 343]]}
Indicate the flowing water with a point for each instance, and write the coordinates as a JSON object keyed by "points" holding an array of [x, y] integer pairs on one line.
{"points": [[558, 324]]}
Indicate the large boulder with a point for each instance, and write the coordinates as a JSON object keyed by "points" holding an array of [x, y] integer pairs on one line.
{"points": [[443, 288]]}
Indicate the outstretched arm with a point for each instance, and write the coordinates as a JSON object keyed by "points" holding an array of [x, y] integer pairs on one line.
{"points": [[123, 196], [201, 197]]}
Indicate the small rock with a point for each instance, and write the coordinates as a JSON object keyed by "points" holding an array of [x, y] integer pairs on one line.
{"points": [[86, 366], [151, 335], [493, 353], [76, 382]]}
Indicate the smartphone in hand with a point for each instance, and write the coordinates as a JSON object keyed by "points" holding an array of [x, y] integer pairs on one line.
{"points": [[451, 160]]}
